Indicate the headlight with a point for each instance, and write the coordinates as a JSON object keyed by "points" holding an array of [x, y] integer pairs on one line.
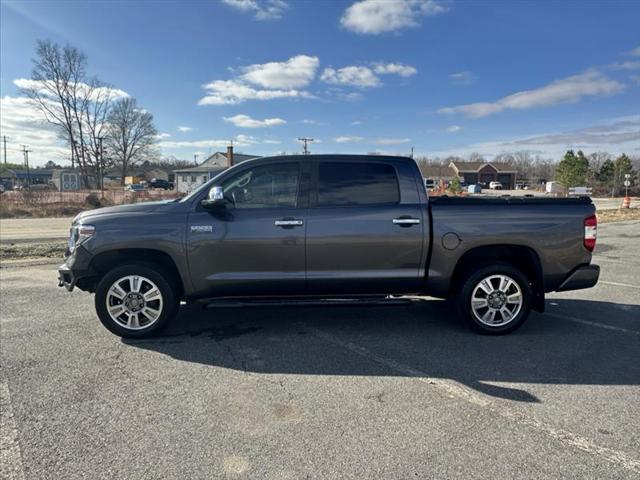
{"points": [[79, 234]]}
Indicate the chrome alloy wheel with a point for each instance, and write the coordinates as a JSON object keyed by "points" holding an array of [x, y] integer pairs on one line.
{"points": [[134, 302], [496, 300]]}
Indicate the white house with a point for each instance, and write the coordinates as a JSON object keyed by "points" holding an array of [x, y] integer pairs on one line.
{"points": [[188, 179]]}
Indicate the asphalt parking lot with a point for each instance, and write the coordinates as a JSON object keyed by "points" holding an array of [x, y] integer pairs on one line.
{"points": [[325, 392]]}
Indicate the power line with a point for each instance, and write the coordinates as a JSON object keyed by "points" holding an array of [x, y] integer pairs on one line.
{"points": [[306, 141]]}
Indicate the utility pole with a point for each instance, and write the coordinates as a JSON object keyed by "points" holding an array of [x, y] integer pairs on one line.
{"points": [[411, 152], [4, 139], [195, 159], [306, 141], [25, 152], [101, 166]]}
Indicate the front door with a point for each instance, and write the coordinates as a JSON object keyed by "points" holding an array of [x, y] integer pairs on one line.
{"points": [[363, 236], [256, 245]]}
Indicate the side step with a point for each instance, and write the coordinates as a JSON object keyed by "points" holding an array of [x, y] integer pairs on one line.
{"points": [[305, 302]]}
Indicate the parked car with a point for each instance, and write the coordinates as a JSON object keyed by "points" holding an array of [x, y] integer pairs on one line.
{"points": [[327, 226], [430, 183], [160, 183], [495, 185], [135, 187]]}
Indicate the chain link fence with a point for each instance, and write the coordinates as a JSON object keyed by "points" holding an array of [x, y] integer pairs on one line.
{"points": [[111, 197]]}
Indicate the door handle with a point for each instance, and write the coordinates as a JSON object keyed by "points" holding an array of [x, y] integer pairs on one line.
{"points": [[288, 223], [406, 221]]}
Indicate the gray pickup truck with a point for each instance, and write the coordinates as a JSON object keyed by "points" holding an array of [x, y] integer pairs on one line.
{"points": [[329, 227]]}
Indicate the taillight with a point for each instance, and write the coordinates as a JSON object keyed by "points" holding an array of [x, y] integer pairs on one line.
{"points": [[590, 232]]}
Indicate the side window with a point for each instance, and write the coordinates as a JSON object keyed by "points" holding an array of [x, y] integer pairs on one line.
{"points": [[343, 183], [266, 186]]}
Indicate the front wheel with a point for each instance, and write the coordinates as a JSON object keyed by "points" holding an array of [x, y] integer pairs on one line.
{"points": [[135, 300], [495, 299]]}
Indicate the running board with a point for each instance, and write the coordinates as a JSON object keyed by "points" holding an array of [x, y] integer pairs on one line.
{"points": [[306, 302]]}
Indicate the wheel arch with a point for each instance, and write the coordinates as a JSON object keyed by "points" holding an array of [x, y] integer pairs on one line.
{"points": [[103, 262], [521, 257]]}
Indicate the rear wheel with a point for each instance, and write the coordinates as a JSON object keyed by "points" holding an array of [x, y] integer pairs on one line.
{"points": [[135, 300], [495, 299]]}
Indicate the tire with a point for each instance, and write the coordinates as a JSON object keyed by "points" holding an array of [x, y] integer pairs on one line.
{"points": [[508, 313], [155, 293]]}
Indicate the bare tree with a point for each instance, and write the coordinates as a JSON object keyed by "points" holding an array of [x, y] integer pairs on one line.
{"points": [[75, 104], [131, 135]]}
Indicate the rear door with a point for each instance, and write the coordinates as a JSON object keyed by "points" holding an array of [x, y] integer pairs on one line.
{"points": [[365, 228], [255, 246]]}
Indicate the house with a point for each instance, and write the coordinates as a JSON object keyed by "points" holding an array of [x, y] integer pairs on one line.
{"points": [[188, 179], [12, 177], [474, 173], [437, 172]]}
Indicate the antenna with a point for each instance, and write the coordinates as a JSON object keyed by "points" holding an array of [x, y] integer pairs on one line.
{"points": [[306, 141]]}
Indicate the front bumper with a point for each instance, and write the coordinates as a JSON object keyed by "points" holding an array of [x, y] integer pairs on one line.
{"points": [[76, 268], [585, 276]]}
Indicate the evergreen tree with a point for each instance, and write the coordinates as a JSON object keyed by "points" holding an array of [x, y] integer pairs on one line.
{"points": [[572, 169]]}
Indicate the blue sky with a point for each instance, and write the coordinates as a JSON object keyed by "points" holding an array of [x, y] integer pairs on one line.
{"points": [[444, 77]]}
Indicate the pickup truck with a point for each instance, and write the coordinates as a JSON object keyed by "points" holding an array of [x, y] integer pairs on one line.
{"points": [[329, 227]]}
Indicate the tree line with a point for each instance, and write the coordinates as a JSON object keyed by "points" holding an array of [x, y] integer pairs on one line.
{"points": [[102, 126], [602, 171]]}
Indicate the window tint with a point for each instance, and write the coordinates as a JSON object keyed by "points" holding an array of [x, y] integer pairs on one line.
{"points": [[357, 184], [267, 186]]}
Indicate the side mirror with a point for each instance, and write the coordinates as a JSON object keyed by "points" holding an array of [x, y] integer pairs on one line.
{"points": [[215, 199]]}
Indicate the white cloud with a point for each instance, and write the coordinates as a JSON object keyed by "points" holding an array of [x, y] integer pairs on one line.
{"points": [[307, 121], [394, 68], [635, 52], [184, 129], [627, 65], [296, 72], [348, 139], [245, 121], [272, 141], [391, 141], [567, 90], [453, 129], [356, 122], [365, 76], [83, 89], [374, 17], [232, 92], [160, 136], [273, 80], [354, 76], [261, 9], [462, 78], [340, 94], [239, 141], [615, 136], [24, 124]]}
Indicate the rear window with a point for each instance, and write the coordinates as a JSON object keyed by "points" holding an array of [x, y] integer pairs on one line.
{"points": [[343, 183]]}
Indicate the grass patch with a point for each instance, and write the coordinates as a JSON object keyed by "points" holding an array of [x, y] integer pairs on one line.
{"points": [[608, 216], [20, 251]]}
